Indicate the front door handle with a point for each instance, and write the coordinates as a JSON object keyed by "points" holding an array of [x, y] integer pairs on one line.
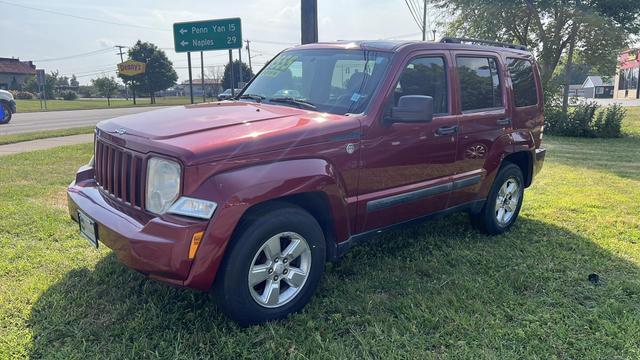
{"points": [[447, 130], [504, 122]]}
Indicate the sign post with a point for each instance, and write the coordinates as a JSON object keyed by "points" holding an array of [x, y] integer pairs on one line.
{"points": [[207, 35], [233, 86], [190, 77], [204, 96], [42, 82], [132, 68]]}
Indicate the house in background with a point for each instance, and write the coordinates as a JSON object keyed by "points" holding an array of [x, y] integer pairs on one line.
{"points": [[212, 87], [15, 73], [595, 87], [576, 91]]}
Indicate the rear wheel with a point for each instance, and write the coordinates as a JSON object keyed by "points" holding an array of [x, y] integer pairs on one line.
{"points": [[5, 113], [273, 265], [503, 204]]}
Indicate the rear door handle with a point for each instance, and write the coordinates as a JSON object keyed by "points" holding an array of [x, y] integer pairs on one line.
{"points": [[504, 122], [447, 130]]}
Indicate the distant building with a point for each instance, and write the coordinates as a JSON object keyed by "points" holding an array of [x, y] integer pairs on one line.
{"points": [[598, 88], [212, 87], [626, 82], [576, 91], [15, 73]]}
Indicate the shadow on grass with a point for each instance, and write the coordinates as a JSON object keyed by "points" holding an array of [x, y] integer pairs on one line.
{"points": [[435, 289]]}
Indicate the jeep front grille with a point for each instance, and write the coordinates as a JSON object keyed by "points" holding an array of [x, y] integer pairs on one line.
{"points": [[120, 173]]}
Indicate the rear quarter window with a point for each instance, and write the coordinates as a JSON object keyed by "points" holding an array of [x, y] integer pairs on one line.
{"points": [[523, 81]]}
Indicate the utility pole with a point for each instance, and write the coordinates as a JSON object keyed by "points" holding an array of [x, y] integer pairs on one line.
{"points": [[424, 20], [249, 55], [120, 47], [240, 67], [309, 21], [120, 52]]}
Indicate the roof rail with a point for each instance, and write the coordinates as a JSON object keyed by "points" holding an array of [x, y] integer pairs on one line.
{"points": [[454, 40]]}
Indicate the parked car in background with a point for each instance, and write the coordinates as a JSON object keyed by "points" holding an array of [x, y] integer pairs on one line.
{"points": [[226, 95], [7, 106], [249, 198]]}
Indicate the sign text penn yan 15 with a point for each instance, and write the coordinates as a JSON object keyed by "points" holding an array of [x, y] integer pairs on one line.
{"points": [[207, 35]]}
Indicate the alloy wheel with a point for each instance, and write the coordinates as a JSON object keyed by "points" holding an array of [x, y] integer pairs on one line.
{"points": [[507, 201], [279, 269]]}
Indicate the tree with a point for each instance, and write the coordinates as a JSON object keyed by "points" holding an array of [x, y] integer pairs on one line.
{"points": [[105, 86], [50, 84], [595, 29], [86, 91], [159, 74], [246, 74], [215, 73], [62, 81], [74, 81]]}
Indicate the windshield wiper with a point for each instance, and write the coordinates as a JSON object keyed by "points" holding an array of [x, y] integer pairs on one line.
{"points": [[299, 102], [256, 97]]}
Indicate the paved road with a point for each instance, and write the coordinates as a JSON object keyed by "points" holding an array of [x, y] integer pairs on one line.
{"points": [[605, 102], [37, 121]]}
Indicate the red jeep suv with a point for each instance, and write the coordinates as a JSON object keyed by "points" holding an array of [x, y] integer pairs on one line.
{"points": [[329, 144]]}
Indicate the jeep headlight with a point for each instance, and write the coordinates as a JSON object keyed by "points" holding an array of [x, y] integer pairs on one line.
{"points": [[163, 184]]}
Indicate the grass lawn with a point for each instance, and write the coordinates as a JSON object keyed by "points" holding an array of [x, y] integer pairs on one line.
{"points": [[431, 291], [631, 124], [85, 104]]}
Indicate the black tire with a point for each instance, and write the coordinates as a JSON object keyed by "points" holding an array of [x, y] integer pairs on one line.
{"points": [[487, 219], [232, 290], [7, 112]]}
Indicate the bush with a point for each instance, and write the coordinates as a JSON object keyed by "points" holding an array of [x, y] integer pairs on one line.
{"points": [[585, 120], [608, 123], [23, 95], [69, 95]]}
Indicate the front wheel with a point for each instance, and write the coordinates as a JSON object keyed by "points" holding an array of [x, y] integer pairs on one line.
{"points": [[272, 266], [5, 113], [503, 204]]}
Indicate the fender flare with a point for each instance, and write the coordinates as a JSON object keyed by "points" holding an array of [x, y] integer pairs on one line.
{"points": [[236, 191]]}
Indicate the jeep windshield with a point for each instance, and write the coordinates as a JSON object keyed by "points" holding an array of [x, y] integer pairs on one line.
{"points": [[328, 80]]}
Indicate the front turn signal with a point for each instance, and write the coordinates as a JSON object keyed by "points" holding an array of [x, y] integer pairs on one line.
{"points": [[196, 239]]}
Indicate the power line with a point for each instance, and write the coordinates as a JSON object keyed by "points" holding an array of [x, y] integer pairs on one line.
{"points": [[90, 53], [82, 17], [413, 12]]}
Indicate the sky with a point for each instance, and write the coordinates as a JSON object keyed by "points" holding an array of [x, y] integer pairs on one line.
{"points": [[78, 37]]}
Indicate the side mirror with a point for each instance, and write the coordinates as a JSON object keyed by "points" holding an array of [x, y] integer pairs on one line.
{"points": [[412, 108]]}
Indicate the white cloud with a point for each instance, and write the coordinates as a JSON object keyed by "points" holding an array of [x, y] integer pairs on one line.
{"points": [[103, 43]]}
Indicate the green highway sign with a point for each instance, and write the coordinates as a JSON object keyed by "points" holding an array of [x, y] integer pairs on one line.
{"points": [[207, 35]]}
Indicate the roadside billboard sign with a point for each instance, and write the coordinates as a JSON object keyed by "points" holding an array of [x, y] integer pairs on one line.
{"points": [[131, 68], [206, 35]]}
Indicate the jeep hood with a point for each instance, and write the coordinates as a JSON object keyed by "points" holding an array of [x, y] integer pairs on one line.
{"points": [[205, 132]]}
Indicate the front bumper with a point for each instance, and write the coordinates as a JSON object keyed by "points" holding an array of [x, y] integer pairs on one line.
{"points": [[156, 246], [12, 106]]}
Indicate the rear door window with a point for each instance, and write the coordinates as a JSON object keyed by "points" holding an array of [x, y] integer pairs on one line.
{"points": [[425, 76], [480, 83], [524, 84]]}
